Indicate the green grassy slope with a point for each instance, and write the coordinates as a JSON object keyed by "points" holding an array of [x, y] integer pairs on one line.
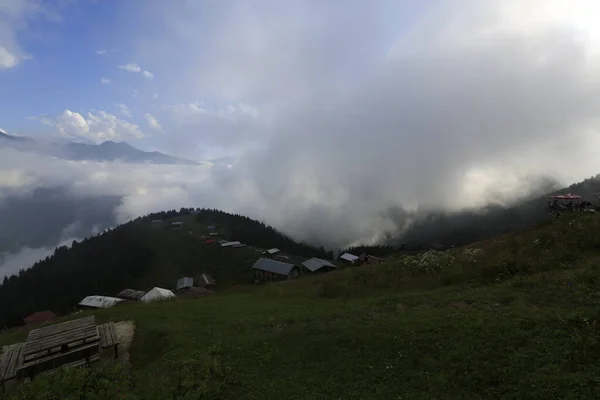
{"points": [[513, 317]]}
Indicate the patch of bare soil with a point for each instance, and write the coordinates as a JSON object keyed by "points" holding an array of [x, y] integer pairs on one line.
{"points": [[125, 331]]}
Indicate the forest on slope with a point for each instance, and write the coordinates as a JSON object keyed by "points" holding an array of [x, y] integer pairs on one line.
{"points": [[473, 225], [138, 255]]}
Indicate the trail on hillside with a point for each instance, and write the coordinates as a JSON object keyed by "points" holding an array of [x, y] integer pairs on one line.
{"points": [[125, 332]]}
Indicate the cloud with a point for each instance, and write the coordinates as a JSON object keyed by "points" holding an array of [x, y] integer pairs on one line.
{"points": [[153, 122], [97, 127], [103, 52], [335, 119], [155, 96], [137, 69], [105, 81], [8, 59], [131, 68], [124, 110], [470, 99], [15, 21]]}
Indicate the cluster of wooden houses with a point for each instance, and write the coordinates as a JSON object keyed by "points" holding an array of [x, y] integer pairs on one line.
{"points": [[274, 266]]}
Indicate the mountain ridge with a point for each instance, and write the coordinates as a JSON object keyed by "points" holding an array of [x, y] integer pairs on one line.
{"points": [[108, 151]]}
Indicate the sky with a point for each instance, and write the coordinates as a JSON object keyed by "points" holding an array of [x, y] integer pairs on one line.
{"points": [[334, 111]]}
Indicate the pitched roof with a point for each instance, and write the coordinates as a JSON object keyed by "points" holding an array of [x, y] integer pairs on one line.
{"points": [[157, 294], [229, 244], [130, 294], [314, 264], [273, 250], [349, 257], [99, 301], [184, 282], [277, 267]]}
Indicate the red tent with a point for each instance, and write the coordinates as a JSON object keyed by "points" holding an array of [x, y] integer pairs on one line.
{"points": [[566, 196], [39, 317]]}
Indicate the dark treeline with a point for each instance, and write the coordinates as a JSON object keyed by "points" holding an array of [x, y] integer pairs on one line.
{"points": [[102, 264], [471, 226], [377, 251], [258, 234]]}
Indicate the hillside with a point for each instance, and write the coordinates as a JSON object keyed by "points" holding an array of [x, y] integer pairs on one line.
{"points": [[473, 225], [516, 316], [140, 255]]}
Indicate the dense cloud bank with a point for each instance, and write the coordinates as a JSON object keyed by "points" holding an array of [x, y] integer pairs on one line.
{"points": [[337, 124]]}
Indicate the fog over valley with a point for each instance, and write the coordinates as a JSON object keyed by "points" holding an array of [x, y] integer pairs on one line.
{"points": [[336, 122]]}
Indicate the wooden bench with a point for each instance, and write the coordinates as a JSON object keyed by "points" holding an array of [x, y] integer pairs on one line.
{"points": [[108, 337], [10, 362], [52, 346]]}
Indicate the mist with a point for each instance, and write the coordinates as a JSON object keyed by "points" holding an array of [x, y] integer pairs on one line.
{"points": [[340, 126]]}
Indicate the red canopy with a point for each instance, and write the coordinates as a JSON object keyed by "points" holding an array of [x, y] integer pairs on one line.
{"points": [[567, 196], [40, 316]]}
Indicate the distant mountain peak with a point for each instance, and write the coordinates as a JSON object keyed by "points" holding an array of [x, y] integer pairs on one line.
{"points": [[110, 143], [6, 136], [106, 151]]}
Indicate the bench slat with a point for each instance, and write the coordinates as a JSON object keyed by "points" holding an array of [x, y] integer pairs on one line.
{"points": [[11, 361], [102, 335], [113, 333], [108, 335]]}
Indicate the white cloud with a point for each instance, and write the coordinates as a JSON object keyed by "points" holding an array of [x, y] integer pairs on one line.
{"points": [[231, 128], [155, 96], [137, 69], [124, 110], [153, 122], [97, 127], [105, 81], [8, 59], [15, 17], [103, 52], [346, 119], [131, 68], [337, 121]]}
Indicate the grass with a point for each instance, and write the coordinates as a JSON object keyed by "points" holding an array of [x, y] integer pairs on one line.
{"points": [[518, 319]]}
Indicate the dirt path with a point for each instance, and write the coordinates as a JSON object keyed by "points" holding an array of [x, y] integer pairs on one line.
{"points": [[125, 331]]}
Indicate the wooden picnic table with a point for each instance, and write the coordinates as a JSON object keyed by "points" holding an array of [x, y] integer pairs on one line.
{"points": [[71, 342]]}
